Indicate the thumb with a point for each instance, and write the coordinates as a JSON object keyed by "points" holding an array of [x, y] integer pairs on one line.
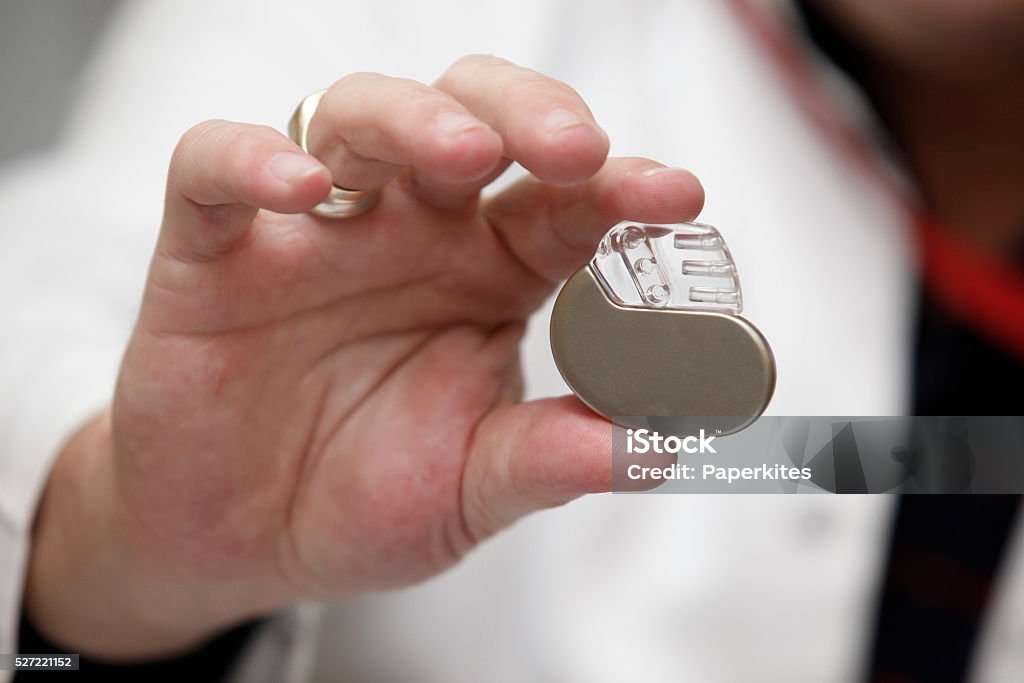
{"points": [[535, 455]]}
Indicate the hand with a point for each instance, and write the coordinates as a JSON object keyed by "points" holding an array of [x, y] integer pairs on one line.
{"points": [[312, 407]]}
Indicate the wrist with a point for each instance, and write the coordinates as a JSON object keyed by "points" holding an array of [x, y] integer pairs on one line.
{"points": [[89, 586]]}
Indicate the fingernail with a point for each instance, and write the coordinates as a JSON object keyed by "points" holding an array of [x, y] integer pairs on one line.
{"points": [[561, 119], [455, 122], [288, 167], [658, 170]]}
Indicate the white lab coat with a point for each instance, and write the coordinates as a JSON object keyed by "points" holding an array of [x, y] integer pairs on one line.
{"points": [[610, 588]]}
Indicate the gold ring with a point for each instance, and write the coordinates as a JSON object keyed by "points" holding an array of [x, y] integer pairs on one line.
{"points": [[340, 203]]}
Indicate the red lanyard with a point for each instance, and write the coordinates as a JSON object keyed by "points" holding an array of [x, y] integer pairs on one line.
{"points": [[986, 294]]}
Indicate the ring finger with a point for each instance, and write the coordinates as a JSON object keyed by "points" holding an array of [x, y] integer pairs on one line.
{"points": [[367, 127]]}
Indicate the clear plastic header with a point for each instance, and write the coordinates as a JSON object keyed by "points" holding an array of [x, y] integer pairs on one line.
{"points": [[684, 266]]}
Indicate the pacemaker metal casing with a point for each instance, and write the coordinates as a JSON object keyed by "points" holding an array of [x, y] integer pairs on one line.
{"points": [[670, 370]]}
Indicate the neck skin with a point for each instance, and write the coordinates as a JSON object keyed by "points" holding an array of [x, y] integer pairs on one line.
{"points": [[964, 144]]}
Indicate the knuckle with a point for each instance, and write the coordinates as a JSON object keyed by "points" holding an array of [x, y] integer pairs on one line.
{"points": [[196, 135], [478, 59], [534, 85], [264, 133], [244, 140], [192, 142], [400, 106], [244, 150], [426, 103], [238, 147], [362, 98], [465, 66], [337, 102], [356, 79], [405, 93]]}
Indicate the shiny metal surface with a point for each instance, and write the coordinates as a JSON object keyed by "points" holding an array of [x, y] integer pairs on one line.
{"points": [[669, 370], [340, 203]]}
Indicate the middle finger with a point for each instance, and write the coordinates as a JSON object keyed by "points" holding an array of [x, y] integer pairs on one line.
{"points": [[544, 124]]}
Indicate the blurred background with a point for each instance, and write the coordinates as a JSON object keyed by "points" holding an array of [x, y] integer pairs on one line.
{"points": [[43, 44]]}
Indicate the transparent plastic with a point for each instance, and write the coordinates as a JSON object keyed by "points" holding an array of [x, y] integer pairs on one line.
{"points": [[684, 266]]}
